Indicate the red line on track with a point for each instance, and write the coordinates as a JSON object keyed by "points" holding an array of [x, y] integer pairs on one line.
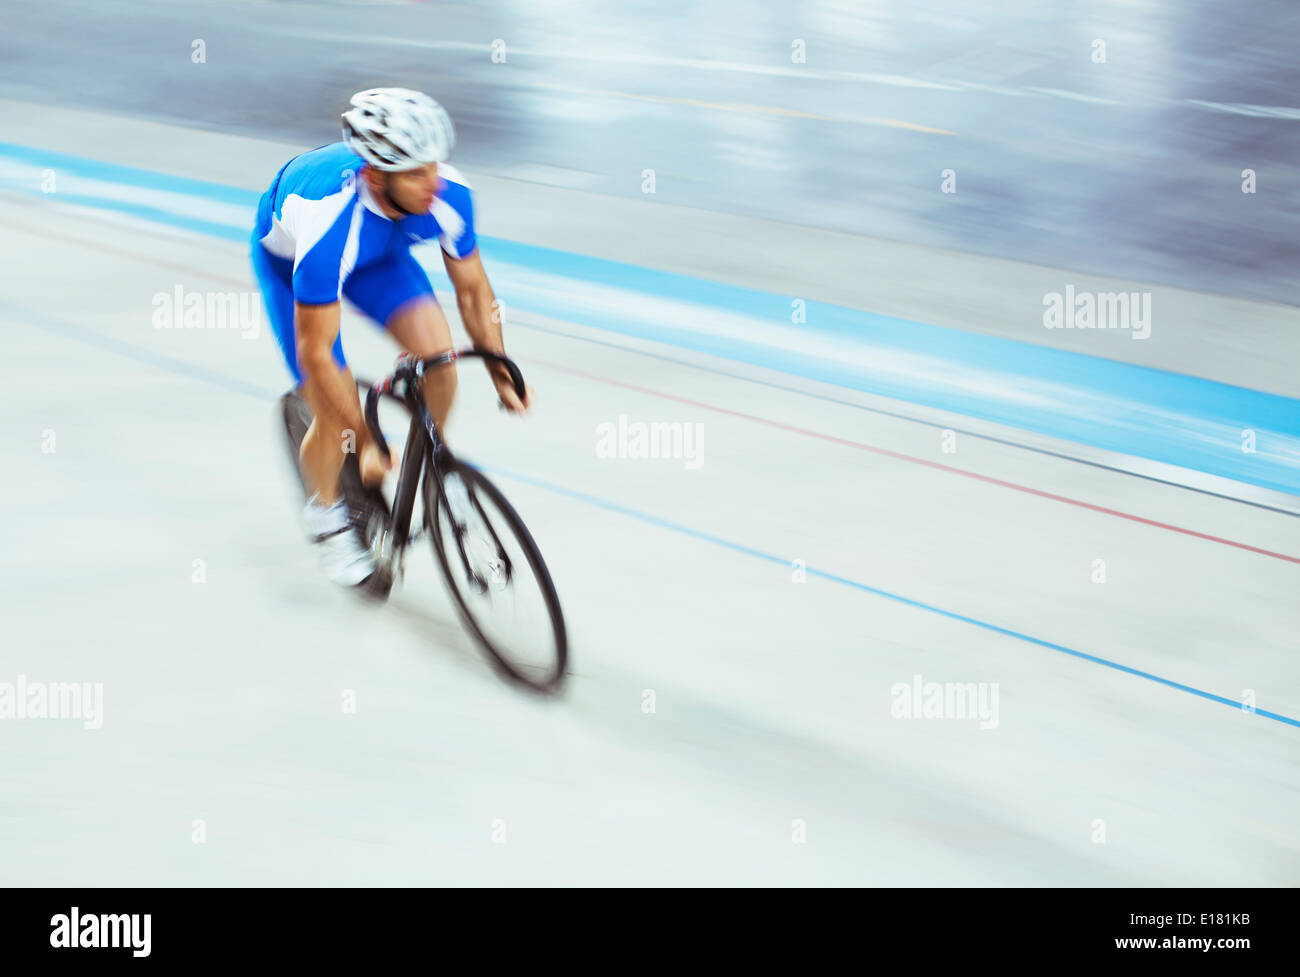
{"points": [[921, 461]]}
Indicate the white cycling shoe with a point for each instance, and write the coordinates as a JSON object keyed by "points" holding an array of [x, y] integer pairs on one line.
{"points": [[344, 559]]}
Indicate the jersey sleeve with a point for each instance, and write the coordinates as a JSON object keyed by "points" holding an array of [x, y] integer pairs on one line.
{"points": [[325, 233], [455, 217]]}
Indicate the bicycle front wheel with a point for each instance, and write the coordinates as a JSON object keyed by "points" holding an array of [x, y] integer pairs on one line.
{"points": [[496, 576]]}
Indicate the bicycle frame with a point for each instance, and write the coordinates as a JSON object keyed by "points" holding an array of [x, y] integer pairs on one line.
{"points": [[424, 446]]}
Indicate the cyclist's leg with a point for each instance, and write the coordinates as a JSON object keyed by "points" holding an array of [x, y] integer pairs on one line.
{"points": [[397, 295], [321, 455], [420, 328], [322, 452]]}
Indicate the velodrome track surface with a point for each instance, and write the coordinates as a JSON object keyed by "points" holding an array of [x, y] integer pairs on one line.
{"points": [[1119, 755]]}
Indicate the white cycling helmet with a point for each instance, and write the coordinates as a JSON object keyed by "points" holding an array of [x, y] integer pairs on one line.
{"points": [[397, 129]]}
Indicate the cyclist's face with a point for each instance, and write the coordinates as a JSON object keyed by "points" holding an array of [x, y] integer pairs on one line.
{"points": [[413, 190]]}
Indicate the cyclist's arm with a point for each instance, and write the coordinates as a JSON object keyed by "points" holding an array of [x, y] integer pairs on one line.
{"points": [[481, 316], [317, 328], [476, 301]]}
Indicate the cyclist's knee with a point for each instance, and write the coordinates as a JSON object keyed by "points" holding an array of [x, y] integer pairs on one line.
{"points": [[420, 327], [440, 380]]}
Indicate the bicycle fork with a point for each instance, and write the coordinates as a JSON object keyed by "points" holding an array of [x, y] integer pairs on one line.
{"points": [[440, 452]]}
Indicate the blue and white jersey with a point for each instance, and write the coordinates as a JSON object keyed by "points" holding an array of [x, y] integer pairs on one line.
{"points": [[325, 220]]}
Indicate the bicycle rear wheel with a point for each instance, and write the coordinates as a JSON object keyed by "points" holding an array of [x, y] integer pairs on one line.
{"points": [[496, 576]]}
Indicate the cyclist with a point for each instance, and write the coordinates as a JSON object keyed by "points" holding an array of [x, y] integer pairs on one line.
{"points": [[337, 222]]}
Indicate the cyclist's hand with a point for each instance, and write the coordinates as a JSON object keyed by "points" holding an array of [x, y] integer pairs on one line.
{"points": [[374, 466], [506, 391]]}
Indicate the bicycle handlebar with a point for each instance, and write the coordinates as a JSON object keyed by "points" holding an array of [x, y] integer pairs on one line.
{"points": [[411, 367]]}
